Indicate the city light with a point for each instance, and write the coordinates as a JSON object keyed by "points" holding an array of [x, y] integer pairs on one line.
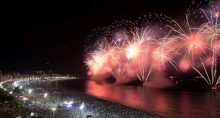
{"points": [[21, 82], [29, 91], [24, 99], [81, 106], [32, 114], [171, 54], [1, 85], [15, 84], [45, 95], [53, 109], [68, 104]]}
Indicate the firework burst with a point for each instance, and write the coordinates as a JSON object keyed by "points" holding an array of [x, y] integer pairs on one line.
{"points": [[137, 53], [163, 53], [132, 51], [209, 64]]}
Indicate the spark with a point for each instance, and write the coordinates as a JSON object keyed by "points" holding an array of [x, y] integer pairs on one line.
{"points": [[139, 51], [164, 53]]}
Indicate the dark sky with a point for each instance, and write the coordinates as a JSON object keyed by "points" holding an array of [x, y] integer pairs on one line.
{"points": [[44, 36]]}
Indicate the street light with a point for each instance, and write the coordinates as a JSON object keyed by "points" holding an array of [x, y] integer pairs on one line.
{"points": [[45, 95], [24, 99], [15, 83], [32, 114], [1, 85], [53, 110], [81, 108], [68, 104], [30, 91]]}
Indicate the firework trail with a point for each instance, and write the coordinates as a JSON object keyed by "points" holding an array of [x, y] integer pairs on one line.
{"points": [[118, 63], [202, 42], [212, 29], [137, 54], [163, 53], [128, 50]]}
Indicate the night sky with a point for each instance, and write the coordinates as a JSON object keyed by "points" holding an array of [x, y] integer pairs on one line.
{"points": [[51, 36]]}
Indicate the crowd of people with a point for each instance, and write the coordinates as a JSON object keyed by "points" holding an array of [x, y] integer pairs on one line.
{"points": [[49, 99]]}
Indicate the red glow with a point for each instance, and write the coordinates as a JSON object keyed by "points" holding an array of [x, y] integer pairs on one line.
{"points": [[132, 51], [195, 44], [209, 61], [160, 59], [216, 46], [185, 65]]}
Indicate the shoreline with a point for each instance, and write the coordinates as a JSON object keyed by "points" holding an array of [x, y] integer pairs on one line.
{"points": [[54, 106], [112, 104]]}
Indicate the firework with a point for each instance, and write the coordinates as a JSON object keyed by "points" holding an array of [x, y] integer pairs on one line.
{"points": [[118, 63], [209, 64], [96, 63], [137, 51], [164, 52], [185, 65], [132, 51]]}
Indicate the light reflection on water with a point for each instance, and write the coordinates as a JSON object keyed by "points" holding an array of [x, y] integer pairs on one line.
{"points": [[181, 104]]}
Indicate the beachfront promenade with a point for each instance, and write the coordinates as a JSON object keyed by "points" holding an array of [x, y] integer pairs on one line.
{"points": [[41, 97]]}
